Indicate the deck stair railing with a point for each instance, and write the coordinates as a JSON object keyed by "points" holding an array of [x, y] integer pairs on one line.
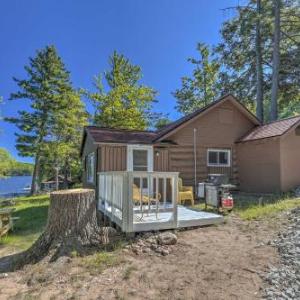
{"points": [[138, 201]]}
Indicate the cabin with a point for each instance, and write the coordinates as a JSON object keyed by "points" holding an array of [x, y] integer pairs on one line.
{"points": [[142, 167], [49, 184]]}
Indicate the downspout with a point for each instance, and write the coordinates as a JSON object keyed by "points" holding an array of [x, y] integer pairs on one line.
{"points": [[195, 161]]}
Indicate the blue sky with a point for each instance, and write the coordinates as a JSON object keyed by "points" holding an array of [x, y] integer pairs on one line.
{"points": [[158, 35]]}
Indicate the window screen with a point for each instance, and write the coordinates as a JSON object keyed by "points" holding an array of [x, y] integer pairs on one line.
{"points": [[223, 158], [218, 158], [140, 160], [90, 167], [213, 157]]}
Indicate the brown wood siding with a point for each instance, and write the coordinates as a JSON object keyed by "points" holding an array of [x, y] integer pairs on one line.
{"points": [[290, 160], [161, 159], [220, 128], [113, 158], [259, 166]]}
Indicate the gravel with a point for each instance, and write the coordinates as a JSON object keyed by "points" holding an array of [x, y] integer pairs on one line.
{"points": [[284, 280]]}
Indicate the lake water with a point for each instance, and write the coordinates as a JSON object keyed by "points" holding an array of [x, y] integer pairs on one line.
{"points": [[14, 185]]}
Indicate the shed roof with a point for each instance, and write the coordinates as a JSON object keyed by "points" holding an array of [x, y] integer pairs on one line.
{"points": [[110, 135], [273, 129]]}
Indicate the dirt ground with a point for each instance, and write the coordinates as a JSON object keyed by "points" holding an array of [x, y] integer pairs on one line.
{"points": [[221, 262]]}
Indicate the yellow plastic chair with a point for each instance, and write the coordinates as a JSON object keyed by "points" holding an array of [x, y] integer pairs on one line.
{"points": [[185, 193], [136, 195], [144, 199]]}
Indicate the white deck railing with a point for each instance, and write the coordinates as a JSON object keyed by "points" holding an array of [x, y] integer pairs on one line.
{"points": [[138, 201]]}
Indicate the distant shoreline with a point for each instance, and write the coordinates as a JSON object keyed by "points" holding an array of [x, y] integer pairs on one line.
{"points": [[22, 175]]}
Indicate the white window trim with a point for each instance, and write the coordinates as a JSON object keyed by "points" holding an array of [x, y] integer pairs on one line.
{"points": [[130, 149], [228, 151], [90, 178]]}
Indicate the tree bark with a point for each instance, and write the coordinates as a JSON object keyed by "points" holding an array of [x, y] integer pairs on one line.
{"points": [[35, 176], [56, 178], [259, 69], [66, 174], [71, 226], [276, 61]]}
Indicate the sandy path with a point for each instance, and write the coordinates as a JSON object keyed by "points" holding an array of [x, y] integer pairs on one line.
{"points": [[221, 262]]}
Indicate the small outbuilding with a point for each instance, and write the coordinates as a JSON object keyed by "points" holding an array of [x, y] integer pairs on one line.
{"points": [[269, 157]]}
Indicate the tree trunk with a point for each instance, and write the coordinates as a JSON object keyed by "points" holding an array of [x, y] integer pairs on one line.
{"points": [[259, 69], [56, 178], [35, 176], [71, 226], [72, 213], [276, 62], [66, 175]]}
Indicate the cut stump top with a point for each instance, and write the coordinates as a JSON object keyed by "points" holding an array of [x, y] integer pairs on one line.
{"points": [[72, 191]]}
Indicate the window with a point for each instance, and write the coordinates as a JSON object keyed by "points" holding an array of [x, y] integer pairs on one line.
{"points": [[139, 158], [90, 167], [218, 158]]}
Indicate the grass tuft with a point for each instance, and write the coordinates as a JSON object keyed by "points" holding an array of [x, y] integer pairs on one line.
{"points": [[128, 271], [100, 261]]}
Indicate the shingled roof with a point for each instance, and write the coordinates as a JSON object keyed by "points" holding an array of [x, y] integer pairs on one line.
{"points": [[273, 129], [109, 135], [125, 136]]}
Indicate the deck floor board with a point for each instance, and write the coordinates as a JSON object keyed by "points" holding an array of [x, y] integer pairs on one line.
{"points": [[186, 217]]}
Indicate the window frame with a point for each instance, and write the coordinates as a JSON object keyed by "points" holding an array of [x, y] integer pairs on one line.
{"points": [[90, 159], [218, 164], [149, 150]]}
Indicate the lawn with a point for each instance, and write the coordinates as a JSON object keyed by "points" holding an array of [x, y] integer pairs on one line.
{"points": [[32, 213], [250, 207], [269, 209]]}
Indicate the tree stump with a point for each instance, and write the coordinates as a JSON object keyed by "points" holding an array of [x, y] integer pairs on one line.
{"points": [[71, 226], [72, 213]]}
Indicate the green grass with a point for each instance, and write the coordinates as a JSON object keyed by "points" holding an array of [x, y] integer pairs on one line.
{"points": [[251, 207], [267, 210], [100, 261], [32, 213]]}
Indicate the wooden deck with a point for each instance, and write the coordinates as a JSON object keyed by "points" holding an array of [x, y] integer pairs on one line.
{"points": [[186, 217], [134, 212]]}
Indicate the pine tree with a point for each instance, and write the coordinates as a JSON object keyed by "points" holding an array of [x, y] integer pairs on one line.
{"points": [[62, 150], [162, 122], [275, 62], [259, 65], [200, 89], [127, 103], [240, 60], [46, 83]]}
